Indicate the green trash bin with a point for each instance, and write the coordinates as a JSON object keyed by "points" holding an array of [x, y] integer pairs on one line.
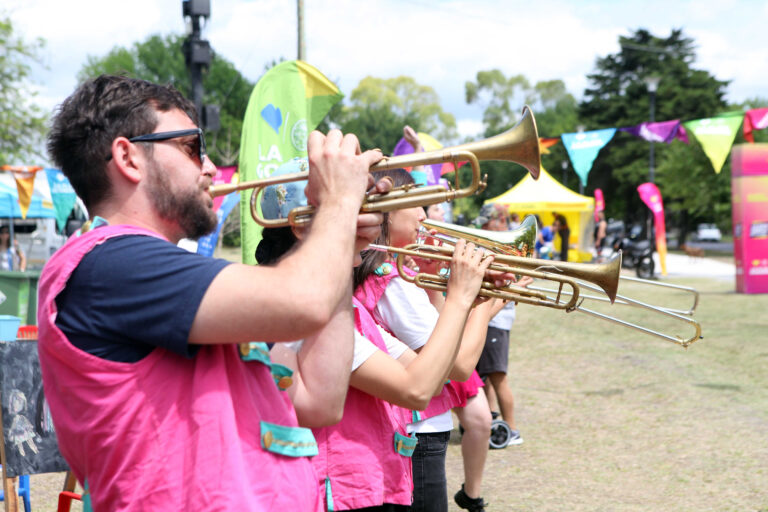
{"points": [[19, 295]]}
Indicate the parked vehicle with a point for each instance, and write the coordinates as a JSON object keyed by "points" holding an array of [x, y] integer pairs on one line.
{"points": [[707, 233], [637, 252]]}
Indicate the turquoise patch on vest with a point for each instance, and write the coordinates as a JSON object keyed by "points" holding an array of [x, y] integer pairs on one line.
{"points": [[288, 441], [279, 373], [257, 351], [384, 269], [415, 416], [404, 445], [328, 494]]}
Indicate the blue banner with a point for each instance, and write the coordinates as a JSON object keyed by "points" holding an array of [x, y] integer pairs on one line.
{"points": [[207, 244], [62, 195], [583, 148]]}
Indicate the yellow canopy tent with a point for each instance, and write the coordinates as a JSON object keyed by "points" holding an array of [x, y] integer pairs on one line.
{"points": [[547, 196]]}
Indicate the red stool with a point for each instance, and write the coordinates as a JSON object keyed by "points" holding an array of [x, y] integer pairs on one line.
{"points": [[65, 500], [27, 332]]}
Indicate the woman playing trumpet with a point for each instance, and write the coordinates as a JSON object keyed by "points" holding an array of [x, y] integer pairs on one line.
{"points": [[363, 461], [412, 315]]}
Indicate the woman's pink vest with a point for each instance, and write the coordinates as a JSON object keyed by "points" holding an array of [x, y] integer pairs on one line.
{"points": [[168, 432], [454, 394], [358, 464]]}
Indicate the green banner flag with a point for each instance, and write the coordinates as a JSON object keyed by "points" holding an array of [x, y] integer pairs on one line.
{"points": [[286, 104], [716, 134]]}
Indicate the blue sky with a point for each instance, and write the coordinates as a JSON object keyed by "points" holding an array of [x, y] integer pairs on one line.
{"points": [[442, 44]]}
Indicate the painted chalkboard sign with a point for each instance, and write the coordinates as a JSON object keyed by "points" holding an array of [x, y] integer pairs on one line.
{"points": [[29, 439]]}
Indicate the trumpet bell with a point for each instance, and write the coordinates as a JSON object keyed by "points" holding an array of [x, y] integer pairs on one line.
{"points": [[520, 241]]}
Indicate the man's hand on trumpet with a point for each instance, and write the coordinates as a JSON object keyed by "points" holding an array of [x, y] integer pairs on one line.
{"points": [[339, 171]]}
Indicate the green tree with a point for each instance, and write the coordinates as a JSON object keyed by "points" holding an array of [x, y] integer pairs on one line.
{"points": [[160, 59], [555, 111], [378, 109], [22, 123], [618, 96]]}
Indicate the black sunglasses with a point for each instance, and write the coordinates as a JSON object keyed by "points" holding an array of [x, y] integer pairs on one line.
{"points": [[161, 136]]}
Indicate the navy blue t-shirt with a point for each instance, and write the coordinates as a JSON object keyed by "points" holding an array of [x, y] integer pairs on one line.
{"points": [[133, 293]]}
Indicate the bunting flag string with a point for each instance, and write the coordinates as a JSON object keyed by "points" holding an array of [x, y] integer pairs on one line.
{"points": [[293, 97]]}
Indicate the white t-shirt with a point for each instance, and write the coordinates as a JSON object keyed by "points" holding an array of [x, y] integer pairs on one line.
{"points": [[406, 311], [504, 318], [364, 348]]}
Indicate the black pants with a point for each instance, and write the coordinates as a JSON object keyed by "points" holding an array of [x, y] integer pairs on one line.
{"points": [[430, 487]]}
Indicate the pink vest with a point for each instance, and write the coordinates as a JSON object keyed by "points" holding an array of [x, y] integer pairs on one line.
{"points": [[167, 432], [358, 464], [454, 394]]}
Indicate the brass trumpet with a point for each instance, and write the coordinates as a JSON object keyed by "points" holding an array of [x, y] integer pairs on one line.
{"points": [[512, 254], [601, 278], [519, 144]]}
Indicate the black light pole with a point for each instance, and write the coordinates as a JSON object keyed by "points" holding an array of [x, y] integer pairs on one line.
{"points": [[198, 56], [653, 84], [564, 164]]}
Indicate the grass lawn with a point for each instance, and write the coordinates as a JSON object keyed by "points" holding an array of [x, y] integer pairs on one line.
{"points": [[617, 420]]}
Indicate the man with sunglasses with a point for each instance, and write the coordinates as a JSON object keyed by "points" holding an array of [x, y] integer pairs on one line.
{"points": [[153, 405]]}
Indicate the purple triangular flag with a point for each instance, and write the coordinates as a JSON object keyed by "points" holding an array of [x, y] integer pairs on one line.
{"points": [[665, 131]]}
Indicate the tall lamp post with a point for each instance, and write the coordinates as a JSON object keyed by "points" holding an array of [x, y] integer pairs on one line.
{"points": [[653, 84], [564, 165]]}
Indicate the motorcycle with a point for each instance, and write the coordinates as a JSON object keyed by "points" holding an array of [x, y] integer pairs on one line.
{"points": [[637, 252]]}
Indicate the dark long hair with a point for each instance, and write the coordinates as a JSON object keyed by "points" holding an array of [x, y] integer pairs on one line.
{"points": [[373, 259], [274, 244]]}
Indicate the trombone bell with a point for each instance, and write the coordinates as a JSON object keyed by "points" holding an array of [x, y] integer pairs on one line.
{"points": [[520, 241]]}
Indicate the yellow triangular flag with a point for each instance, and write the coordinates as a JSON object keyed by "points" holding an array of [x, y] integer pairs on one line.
{"points": [[25, 182]]}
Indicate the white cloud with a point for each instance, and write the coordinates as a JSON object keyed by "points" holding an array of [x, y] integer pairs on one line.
{"points": [[442, 44]]}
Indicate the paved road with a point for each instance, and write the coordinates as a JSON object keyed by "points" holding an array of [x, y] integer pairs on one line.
{"points": [[679, 265], [713, 246]]}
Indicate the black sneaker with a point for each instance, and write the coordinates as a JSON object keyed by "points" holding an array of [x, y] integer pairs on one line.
{"points": [[467, 503]]}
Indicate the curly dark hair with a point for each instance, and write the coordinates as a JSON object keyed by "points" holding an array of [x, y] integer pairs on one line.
{"points": [[100, 110]]}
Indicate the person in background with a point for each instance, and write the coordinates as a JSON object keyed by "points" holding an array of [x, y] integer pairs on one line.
{"points": [[600, 231], [560, 226], [543, 248], [11, 255], [494, 359], [154, 406], [435, 212], [514, 221]]}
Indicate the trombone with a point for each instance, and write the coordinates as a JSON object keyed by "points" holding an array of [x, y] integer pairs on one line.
{"points": [[564, 274], [519, 144], [603, 277]]}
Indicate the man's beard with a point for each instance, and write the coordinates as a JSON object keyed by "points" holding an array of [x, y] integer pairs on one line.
{"points": [[185, 208]]}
